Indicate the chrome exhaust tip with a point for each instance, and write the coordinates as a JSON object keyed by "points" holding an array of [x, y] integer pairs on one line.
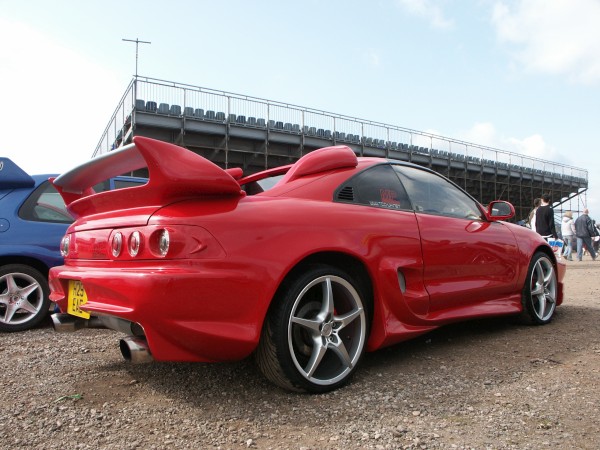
{"points": [[135, 349], [66, 323]]}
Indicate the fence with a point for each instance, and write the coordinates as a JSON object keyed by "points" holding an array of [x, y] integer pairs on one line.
{"points": [[181, 100]]}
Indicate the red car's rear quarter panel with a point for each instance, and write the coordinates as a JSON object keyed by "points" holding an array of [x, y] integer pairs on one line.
{"points": [[276, 234]]}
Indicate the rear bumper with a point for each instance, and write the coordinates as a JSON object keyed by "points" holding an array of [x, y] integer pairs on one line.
{"points": [[199, 314]]}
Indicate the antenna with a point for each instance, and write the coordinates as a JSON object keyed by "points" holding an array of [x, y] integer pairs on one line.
{"points": [[137, 43]]}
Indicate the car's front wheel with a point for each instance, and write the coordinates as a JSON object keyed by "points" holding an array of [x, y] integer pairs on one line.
{"points": [[540, 290], [315, 333], [24, 297]]}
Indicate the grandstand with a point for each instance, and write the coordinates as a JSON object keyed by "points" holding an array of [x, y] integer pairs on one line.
{"points": [[234, 130]]}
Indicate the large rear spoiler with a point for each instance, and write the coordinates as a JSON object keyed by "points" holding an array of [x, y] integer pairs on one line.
{"points": [[174, 172]]}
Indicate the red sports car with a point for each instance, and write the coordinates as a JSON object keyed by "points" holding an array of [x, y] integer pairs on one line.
{"points": [[305, 266]]}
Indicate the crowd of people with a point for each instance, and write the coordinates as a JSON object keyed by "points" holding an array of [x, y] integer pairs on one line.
{"points": [[581, 235]]}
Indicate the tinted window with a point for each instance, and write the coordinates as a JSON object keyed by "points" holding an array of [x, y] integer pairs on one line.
{"points": [[119, 184], [430, 193], [256, 187], [378, 186], [45, 205], [103, 186]]}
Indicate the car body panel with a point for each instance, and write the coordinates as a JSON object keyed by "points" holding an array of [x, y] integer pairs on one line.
{"points": [[480, 257], [28, 238], [232, 252]]}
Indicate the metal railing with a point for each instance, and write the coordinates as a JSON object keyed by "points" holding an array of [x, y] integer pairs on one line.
{"points": [[226, 105]]}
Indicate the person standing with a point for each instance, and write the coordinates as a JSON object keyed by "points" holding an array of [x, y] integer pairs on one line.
{"points": [[544, 219], [531, 217], [568, 234], [585, 230], [596, 239]]}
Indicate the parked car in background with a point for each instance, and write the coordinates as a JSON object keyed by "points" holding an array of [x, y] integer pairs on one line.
{"points": [[33, 219], [306, 266]]}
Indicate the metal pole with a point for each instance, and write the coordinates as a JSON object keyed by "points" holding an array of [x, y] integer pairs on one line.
{"points": [[135, 80], [137, 43]]}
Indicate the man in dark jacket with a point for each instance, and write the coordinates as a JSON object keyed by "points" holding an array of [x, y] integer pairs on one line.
{"points": [[585, 231], [544, 219]]}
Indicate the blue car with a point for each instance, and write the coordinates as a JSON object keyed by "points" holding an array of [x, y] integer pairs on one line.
{"points": [[33, 220]]}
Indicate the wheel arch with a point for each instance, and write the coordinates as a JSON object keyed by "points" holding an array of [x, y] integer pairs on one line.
{"points": [[528, 255], [352, 265], [40, 266], [548, 251]]}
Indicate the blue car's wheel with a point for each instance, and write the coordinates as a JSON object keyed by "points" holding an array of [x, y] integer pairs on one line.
{"points": [[24, 301]]}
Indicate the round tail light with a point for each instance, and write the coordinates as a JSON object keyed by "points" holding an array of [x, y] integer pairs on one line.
{"points": [[65, 245], [116, 244], [135, 243], [163, 243]]}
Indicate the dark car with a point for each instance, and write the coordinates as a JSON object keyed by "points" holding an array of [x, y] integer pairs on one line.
{"points": [[33, 219]]}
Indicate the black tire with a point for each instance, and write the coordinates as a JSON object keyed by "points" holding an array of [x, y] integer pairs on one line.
{"points": [[24, 297], [316, 331], [540, 290]]}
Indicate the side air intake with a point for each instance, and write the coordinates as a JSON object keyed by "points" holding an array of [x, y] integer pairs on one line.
{"points": [[346, 194]]}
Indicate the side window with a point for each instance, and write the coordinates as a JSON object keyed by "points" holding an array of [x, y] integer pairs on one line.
{"points": [[45, 205], [378, 186], [433, 194]]}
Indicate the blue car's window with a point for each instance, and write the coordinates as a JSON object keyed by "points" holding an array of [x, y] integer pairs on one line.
{"points": [[378, 186], [118, 183], [432, 194], [45, 205], [102, 186]]}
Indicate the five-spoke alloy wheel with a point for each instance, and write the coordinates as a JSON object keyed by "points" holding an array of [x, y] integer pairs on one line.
{"points": [[541, 290], [24, 301], [316, 332]]}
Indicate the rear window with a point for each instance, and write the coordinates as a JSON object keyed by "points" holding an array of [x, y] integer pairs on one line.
{"points": [[45, 205]]}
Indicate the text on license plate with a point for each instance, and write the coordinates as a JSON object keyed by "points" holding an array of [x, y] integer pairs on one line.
{"points": [[77, 297]]}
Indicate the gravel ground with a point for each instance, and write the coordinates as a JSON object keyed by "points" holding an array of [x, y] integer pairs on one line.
{"points": [[486, 384]]}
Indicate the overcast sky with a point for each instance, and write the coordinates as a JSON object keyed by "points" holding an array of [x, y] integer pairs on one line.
{"points": [[519, 75]]}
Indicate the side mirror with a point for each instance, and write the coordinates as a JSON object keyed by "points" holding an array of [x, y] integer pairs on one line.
{"points": [[500, 210]]}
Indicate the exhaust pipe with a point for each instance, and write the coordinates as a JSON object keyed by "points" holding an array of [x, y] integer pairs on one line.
{"points": [[66, 323], [135, 349]]}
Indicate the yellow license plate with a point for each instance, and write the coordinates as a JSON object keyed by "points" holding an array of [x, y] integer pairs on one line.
{"points": [[77, 297]]}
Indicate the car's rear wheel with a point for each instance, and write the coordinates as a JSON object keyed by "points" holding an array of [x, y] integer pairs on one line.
{"points": [[315, 333], [540, 290], [24, 300]]}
